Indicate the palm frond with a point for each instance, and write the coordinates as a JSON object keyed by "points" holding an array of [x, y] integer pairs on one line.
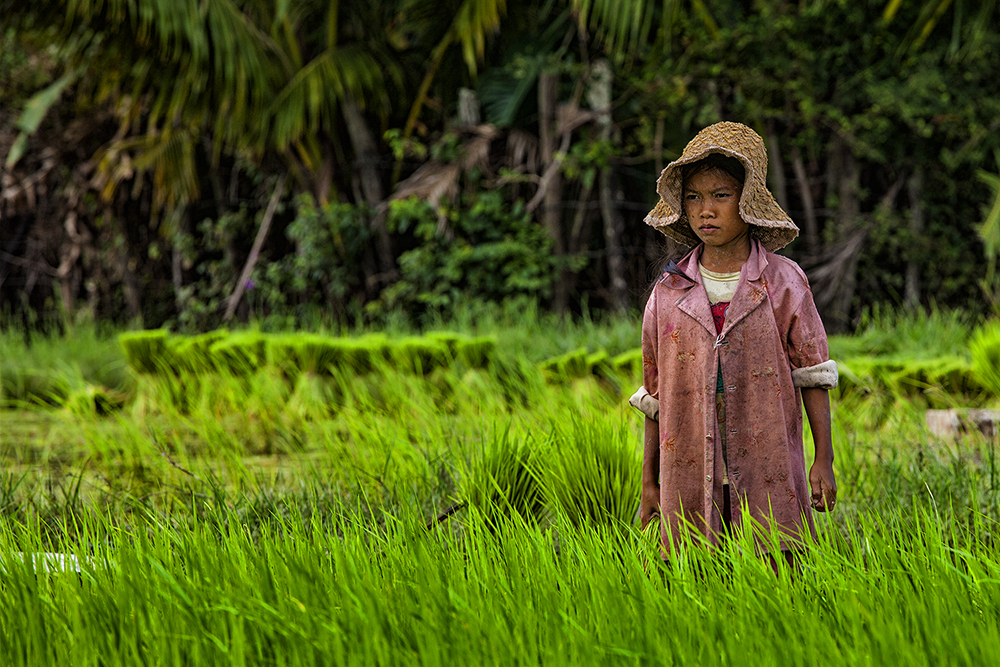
{"points": [[310, 97], [989, 231], [169, 156], [474, 21], [625, 26], [930, 14]]}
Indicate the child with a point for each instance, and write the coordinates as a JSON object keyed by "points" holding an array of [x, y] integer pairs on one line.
{"points": [[730, 340]]}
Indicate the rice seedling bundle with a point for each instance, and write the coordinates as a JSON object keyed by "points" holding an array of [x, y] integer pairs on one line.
{"points": [[629, 363], [147, 351], [985, 349], [476, 352], [420, 355], [567, 366], [239, 354], [912, 378], [193, 354], [592, 473]]}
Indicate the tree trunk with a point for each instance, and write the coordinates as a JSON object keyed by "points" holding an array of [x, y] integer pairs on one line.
{"points": [[258, 243], [614, 229], [810, 226], [366, 159], [776, 169], [833, 276], [548, 90], [848, 214], [911, 290], [599, 98], [468, 108]]}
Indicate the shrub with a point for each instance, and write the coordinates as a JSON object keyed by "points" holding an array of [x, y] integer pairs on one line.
{"points": [[482, 249]]}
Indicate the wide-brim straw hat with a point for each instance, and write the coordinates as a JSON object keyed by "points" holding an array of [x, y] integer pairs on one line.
{"points": [[769, 223]]}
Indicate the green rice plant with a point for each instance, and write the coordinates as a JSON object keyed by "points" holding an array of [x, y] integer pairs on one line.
{"points": [[257, 581], [293, 354], [317, 354], [599, 363], [314, 396], [933, 381], [502, 479], [917, 335], [365, 354], [41, 371], [281, 355], [985, 349], [239, 354], [31, 387], [567, 366], [193, 353], [629, 363], [476, 352], [91, 401], [419, 355], [592, 473], [519, 380], [147, 352], [450, 338]]}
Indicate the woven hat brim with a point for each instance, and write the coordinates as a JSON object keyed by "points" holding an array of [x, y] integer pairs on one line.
{"points": [[769, 222]]}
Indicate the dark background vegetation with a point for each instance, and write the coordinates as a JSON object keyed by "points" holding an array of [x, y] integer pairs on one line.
{"points": [[419, 155]]}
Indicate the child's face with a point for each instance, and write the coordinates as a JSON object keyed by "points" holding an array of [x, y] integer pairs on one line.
{"points": [[712, 205]]}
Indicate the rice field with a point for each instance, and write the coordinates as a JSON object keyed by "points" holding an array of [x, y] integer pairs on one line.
{"points": [[390, 499]]}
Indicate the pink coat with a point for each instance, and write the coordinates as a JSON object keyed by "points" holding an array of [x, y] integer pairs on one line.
{"points": [[771, 328]]}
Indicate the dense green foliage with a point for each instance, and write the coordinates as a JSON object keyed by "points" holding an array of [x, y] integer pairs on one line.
{"points": [[880, 120]]}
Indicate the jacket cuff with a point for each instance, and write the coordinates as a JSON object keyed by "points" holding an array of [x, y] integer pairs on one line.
{"points": [[820, 376], [646, 404]]}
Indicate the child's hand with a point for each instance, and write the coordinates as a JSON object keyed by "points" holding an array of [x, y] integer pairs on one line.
{"points": [[823, 486], [649, 505]]}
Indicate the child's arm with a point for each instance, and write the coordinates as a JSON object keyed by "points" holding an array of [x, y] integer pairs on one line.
{"points": [[649, 503], [821, 481]]}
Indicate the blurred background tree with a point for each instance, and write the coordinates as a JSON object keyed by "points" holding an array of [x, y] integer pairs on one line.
{"points": [[143, 141]]}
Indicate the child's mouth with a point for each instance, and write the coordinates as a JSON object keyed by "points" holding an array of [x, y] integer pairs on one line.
{"points": [[708, 229]]}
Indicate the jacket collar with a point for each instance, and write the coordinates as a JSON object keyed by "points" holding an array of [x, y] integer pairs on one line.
{"points": [[685, 275]]}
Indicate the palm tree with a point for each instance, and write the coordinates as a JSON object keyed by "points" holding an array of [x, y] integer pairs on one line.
{"points": [[287, 82]]}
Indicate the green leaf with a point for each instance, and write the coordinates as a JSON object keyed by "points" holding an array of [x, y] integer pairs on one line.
{"points": [[34, 113], [17, 150], [39, 105]]}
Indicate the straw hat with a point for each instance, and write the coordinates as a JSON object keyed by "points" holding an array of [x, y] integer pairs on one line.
{"points": [[769, 224]]}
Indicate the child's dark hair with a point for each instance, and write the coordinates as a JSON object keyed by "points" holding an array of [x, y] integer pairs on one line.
{"points": [[672, 250], [715, 161]]}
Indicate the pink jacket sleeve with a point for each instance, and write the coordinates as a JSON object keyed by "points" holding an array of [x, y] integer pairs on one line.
{"points": [[808, 351], [650, 372]]}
